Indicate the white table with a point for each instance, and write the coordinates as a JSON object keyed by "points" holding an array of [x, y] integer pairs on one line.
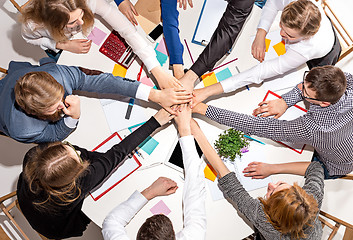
{"points": [[93, 129]]}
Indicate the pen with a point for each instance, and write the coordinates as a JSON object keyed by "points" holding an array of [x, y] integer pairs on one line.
{"points": [[149, 166], [139, 154], [247, 87], [251, 138]]}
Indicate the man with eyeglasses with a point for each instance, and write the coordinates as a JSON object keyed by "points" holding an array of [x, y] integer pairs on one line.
{"points": [[37, 105], [327, 126]]}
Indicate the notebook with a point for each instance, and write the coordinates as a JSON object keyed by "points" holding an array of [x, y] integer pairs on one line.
{"points": [[118, 50], [122, 171]]}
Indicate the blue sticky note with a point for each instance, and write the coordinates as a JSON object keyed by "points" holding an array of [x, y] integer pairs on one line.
{"points": [[149, 145], [161, 57], [224, 74]]}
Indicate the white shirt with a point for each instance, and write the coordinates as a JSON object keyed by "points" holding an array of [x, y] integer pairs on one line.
{"points": [[296, 53], [39, 35], [194, 196]]}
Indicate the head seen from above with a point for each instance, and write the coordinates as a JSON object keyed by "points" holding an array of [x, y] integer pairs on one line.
{"points": [[157, 227], [59, 15], [323, 85], [299, 20], [289, 208], [39, 94], [53, 168]]}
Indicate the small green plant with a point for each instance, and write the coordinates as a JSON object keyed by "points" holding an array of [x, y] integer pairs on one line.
{"points": [[231, 144]]}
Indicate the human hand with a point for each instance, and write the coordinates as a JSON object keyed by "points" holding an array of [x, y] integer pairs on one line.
{"points": [[162, 116], [199, 95], [75, 45], [128, 9], [72, 106], [258, 170], [164, 79], [183, 120], [161, 187], [200, 108], [169, 97], [258, 47], [274, 108], [183, 3]]}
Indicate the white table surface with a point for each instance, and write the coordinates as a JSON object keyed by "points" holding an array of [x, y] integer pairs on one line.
{"points": [[93, 129]]}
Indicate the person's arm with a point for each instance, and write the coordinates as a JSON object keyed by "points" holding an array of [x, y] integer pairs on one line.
{"points": [[228, 181], [314, 181], [128, 9], [194, 193], [115, 222], [224, 36], [297, 130]]}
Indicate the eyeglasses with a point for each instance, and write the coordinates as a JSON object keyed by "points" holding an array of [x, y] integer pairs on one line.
{"points": [[303, 88], [70, 145]]}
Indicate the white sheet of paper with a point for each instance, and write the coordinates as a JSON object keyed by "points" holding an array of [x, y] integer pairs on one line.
{"points": [[216, 193], [120, 172], [208, 21]]}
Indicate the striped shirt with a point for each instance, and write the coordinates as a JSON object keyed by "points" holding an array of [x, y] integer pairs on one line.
{"points": [[328, 129]]}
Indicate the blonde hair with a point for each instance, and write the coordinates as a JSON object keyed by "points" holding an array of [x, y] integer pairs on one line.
{"points": [[302, 15], [55, 14], [35, 92], [290, 211], [50, 169]]}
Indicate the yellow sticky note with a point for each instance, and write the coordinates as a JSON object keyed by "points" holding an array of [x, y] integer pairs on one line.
{"points": [[119, 70], [209, 79], [267, 42], [280, 48], [210, 173]]}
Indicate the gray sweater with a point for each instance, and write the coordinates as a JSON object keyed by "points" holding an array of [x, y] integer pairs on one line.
{"points": [[253, 211]]}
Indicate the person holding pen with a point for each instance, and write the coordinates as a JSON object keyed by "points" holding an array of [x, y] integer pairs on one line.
{"points": [[309, 38], [56, 178], [286, 212], [194, 195]]}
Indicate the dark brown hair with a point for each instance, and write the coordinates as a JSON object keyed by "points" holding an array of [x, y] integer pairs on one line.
{"points": [[35, 92], [328, 82], [157, 227], [54, 15], [290, 211], [302, 15], [49, 169]]}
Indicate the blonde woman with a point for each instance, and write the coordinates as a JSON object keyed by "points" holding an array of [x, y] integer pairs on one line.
{"points": [[309, 38], [50, 24]]}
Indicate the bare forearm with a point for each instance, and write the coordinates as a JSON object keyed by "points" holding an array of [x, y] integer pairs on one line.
{"points": [[297, 168]]}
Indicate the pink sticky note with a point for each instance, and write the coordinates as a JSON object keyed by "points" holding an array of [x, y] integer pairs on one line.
{"points": [[160, 208], [162, 47], [97, 36], [147, 81]]}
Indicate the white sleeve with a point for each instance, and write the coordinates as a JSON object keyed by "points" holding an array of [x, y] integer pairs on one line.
{"points": [[70, 122], [194, 193], [120, 23], [115, 222], [39, 37], [269, 12], [143, 92], [267, 69]]}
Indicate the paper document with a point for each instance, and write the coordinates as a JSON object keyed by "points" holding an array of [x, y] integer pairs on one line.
{"points": [[122, 171]]}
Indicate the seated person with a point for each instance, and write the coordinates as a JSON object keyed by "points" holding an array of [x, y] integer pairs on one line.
{"points": [[221, 41], [57, 177], [33, 98], [309, 38], [194, 196], [286, 212], [327, 126], [51, 24], [169, 14]]}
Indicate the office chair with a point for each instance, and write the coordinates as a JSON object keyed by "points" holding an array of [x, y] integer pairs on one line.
{"points": [[347, 43], [327, 219], [6, 209], [19, 7]]}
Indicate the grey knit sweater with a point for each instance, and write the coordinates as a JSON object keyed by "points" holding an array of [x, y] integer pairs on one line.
{"points": [[252, 208]]}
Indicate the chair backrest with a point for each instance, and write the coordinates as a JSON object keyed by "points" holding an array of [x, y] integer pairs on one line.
{"points": [[334, 223], [345, 38], [348, 177], [19, 7], [3, 70]]}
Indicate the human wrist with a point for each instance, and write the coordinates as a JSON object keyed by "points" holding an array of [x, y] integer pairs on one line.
{"points": [[184, 130], [147, 193], [261, 33]]}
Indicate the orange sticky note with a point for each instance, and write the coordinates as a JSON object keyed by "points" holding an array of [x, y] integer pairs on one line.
{"points": [[209, 79], [280, 48], [119, 70], [267, 42], [210, 173]]}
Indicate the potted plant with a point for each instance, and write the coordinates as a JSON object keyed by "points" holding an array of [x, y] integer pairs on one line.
{"points": [[231, 144]]}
